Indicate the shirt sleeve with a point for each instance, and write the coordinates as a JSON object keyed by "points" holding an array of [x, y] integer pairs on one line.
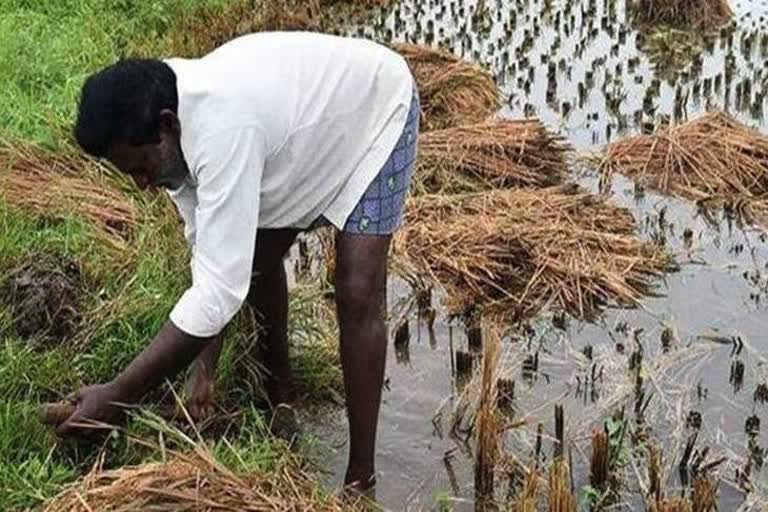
{"points": [[185, 200], [226, 217]]}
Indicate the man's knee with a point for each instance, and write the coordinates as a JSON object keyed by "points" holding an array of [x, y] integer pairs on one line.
{"points": [[361, 276], [359, 295]]}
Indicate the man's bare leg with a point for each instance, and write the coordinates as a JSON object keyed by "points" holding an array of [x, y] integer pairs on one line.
{"points": [[268, 297], [269, 302], [361, 277]]}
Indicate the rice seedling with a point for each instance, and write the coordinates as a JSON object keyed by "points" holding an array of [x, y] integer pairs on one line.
{"points": [[702, 498], [599, 464], [527, 499], [561, 499]]}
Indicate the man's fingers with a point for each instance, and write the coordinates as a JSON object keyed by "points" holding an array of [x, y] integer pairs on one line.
{"points": [[56, 413], [66, 428], [80, 426]]}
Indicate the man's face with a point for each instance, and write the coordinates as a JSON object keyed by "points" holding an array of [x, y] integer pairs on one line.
{"points": [[154, 165]]}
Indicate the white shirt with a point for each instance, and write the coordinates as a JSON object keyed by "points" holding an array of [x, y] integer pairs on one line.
{"points": [[277, 129]]}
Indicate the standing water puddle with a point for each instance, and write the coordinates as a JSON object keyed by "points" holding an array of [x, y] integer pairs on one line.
{"points": [[579, 67]]}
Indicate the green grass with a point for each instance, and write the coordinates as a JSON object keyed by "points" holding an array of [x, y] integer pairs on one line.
{"points": [[125, 303], [29, 469], [22, 234], [47, 48]]}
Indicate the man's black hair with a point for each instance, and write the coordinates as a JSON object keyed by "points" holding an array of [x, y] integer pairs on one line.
{"points": [[122, 103]]}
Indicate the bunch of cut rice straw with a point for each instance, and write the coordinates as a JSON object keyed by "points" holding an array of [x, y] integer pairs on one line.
{"points": [[194, 481], [63, 185], [693, 13], [515, 252], [200, 31], [452, 91], [711, 157], [491, 154]]}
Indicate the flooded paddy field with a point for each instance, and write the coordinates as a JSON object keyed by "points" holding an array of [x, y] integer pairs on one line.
{"points": [[699, 348]]}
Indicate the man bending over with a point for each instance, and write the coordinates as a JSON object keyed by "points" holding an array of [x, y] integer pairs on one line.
{"points": [[266, 136]]}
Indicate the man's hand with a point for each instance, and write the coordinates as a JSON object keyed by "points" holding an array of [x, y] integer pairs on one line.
{"points": [[99, 403], [170, 352]]}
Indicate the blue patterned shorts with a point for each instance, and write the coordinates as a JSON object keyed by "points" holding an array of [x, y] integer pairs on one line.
{"points": [[380, 209]]}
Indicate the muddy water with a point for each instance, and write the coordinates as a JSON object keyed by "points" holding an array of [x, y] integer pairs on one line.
{"points": [[583, 69]]}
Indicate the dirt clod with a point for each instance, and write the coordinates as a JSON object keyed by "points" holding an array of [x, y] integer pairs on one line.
{"points": [[43, 293]]}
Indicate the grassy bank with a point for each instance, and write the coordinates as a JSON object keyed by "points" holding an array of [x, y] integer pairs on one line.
{"points": [[122, 305], [124, 290]]}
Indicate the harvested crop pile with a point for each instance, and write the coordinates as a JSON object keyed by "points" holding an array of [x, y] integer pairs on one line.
{"points": [[711, 157], [62, 185], [452, 91], [200, 31], [514, 252], [43, 294], [491, 154], [694, 13], [193, 482]]}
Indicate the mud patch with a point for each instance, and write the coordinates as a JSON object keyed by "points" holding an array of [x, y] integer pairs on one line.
{"points": [[43, 293]]}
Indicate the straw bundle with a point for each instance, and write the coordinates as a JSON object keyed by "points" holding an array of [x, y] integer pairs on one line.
{"points": [[452, 91], [492, 154], [713, 156], [694, 13], [518, 251], [60, 185], [528, 497], [488, 420], [193, 482], [199, 31], [561, 499], [291, 15]]}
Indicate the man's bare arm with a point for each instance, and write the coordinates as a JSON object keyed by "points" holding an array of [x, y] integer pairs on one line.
{"points": [[171, 351]]}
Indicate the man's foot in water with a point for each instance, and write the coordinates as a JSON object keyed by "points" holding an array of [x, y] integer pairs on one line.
{"points": [[360, 492]]}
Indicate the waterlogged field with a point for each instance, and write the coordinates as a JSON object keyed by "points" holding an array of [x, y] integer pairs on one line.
{"points": [[589, 73]]}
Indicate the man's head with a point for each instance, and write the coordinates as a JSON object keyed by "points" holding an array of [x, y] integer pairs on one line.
{"points": [[128, 114]]}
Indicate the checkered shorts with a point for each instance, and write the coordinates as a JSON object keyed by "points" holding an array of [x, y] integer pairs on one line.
{"points": [[380, 209]]}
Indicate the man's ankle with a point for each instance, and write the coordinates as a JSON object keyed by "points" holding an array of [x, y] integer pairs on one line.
{"points": [[363, 477], [280, 390]]}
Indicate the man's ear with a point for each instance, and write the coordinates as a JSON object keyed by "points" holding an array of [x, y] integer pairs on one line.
{"points": [[169, 123]]}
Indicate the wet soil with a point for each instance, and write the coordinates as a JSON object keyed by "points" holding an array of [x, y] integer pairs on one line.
{"points": [[43, 294]]}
